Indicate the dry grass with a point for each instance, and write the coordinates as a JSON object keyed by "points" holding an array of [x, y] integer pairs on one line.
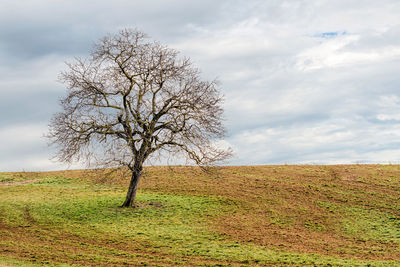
{"points": [[300, 208]]}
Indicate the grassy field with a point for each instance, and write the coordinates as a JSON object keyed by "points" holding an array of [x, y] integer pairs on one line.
{"points": [[233, 216]]}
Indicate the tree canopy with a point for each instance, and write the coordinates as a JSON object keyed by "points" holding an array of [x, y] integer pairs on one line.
{"points": [[134, 99]]}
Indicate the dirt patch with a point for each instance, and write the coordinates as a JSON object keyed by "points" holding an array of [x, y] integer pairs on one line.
{"points": [[151, 204], [18, 183]]}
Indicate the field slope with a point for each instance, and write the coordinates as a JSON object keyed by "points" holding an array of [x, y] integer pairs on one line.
{"points": [[234, 216]]}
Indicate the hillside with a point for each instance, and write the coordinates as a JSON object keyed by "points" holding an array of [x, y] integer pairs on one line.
{"points": [[244, 216]]}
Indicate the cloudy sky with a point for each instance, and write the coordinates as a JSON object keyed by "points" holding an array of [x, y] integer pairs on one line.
{"points": [[308, 81]]}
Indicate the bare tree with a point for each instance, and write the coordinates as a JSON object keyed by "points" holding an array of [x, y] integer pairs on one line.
{"points": [[134, 99]]}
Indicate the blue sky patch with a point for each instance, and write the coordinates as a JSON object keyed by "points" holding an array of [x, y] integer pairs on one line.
{"points": [[329, 35]]}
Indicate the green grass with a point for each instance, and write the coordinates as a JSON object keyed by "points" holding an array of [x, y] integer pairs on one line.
{"points": [[9, 261], [176, 226], [366, 224], [6, 179], [370, 224]]}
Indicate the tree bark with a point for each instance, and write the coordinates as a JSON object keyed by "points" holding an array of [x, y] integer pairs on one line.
{"points": [[130, 200]]}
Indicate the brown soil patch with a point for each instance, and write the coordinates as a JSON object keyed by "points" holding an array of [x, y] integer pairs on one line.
{"points": [[18, 183]]}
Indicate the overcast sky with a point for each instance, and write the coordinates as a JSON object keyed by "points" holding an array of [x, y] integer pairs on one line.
{"points": [[305, 81]]}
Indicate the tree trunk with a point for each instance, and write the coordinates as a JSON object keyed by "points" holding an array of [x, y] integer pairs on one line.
{"points": [[131, 195]]}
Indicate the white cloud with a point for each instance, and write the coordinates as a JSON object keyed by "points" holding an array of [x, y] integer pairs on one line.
{"points": [[388, 117], [18, 143], [327, 143], [331, 54], [292, 95], [20, 134], [389, 101], [23, 147]]}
